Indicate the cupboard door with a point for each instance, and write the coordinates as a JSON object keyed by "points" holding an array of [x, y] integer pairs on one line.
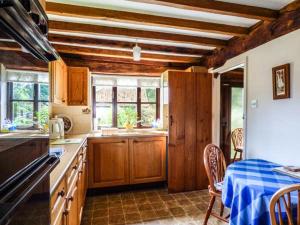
{"points": [[204, 125], [190, 109], [176, 150], [80, 191], [108, 162], [147, 159], [58, 72], [78, 85], [72, 206]]}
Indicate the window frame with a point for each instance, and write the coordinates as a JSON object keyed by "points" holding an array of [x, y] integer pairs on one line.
{"points": [[35, 100], [138, 103]]}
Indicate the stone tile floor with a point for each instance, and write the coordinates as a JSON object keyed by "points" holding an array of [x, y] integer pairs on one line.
{"points": [[143, 207]]}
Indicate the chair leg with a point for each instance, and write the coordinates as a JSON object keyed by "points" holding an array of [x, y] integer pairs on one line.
{"points": [[209, 209], [234, 158], [222, 209]]}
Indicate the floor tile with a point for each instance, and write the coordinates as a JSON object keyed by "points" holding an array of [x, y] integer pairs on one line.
{"points": [[148, 207]]}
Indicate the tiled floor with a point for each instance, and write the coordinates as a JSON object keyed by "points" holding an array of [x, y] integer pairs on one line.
{"points": [[154, 206]]}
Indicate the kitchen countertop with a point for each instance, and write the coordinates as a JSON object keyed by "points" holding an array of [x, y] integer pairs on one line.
{"points": [[142, 133], [70, 152]]}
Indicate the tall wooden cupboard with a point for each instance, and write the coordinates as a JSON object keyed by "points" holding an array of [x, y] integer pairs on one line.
{"points": [[189, 121]]}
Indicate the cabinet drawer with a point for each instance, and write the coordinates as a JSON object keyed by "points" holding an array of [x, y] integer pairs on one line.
{"points": [[72, 172], [58, 203]]}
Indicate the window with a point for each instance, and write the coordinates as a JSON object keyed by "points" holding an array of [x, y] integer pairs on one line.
{"points": [[28, 101], [114, 106]]}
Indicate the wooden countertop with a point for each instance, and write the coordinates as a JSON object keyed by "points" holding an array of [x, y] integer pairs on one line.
{"points": [[130, 134], [70, 152]]}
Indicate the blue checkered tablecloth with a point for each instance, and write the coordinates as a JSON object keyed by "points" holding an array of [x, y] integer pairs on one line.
{"points": [[247, 190]]}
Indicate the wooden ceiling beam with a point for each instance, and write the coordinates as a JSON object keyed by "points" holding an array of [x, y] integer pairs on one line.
{"points": [[144, 19], [116, 68], [122, 54], [128, 61], [224, 8], [84, 41], [268, 31], [138, 34]]}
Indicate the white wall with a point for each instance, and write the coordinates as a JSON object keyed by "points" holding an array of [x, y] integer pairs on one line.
{"points": [[273, 128]]}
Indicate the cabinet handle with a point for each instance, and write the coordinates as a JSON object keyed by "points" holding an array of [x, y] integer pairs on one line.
{"points": [[61, 193], [75, 167], [171, 120]]}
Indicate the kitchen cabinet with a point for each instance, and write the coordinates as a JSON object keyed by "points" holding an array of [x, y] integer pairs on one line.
{"points": [[69, 85], [108, 162], [78, 85], [122, 161], [67, 200], [58, 74], [147, 159], [190, 121], [82, 181], [71, 211]]}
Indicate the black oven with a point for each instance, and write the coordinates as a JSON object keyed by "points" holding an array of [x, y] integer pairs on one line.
{"points": [[25, 166]]}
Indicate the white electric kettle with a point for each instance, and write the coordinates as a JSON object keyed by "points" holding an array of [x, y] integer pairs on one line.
{"points": [[56, 128]]}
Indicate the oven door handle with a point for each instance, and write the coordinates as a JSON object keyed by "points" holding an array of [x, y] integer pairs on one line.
{"points": [[41, 173]]}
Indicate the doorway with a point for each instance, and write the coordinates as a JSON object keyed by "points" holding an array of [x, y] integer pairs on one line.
{"points": [[232, 108]]}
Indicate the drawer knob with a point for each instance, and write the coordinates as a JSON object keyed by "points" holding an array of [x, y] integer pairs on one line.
{"points": [[61, 193]]}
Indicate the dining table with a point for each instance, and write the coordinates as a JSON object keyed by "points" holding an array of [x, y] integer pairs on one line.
{"points": [[247, 190]]}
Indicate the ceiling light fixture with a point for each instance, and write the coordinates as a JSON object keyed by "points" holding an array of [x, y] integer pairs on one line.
{"points": [[137, 52]]}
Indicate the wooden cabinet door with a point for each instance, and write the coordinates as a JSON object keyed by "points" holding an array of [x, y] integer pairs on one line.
{"points": [[72, 206], [58, 73], [190, 111], [78, 85], [108, 162], [81, 193], [147, 159], [176, 149]]}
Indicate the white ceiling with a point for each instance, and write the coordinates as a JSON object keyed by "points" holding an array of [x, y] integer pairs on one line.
{"points": [[138, 27], [134, 40], [271, 4], [138, 7]]}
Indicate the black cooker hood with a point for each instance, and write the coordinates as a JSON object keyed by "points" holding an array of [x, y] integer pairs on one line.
{"points": [[26, 22]]}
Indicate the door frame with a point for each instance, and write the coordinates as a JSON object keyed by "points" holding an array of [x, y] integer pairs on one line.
{"points": [[231, 64]]}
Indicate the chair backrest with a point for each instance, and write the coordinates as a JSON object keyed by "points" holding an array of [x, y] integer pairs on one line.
{"points": [[215, 165], [237, 137], [287, 201]]}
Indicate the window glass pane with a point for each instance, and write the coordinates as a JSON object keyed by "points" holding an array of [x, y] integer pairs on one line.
{"points": [[43, 113], [44, 92], [148, 94], [127, 113], [127, 94], [103, 115], [23, 91], [22, 114], [148, 114], [104, 94]]}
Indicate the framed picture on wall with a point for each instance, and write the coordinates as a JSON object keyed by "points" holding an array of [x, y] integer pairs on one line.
{"points": [[281, 82]]}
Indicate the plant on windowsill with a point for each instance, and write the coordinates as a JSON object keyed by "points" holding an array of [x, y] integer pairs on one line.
{"points": [[130, 119]]}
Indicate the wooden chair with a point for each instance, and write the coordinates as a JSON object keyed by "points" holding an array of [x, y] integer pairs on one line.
{"points": [[215, 167], [282, 199], [237, 137]]}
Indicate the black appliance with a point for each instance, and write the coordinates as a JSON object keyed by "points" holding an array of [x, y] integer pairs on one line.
{"points": [[25, 165], [26, 22]]}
